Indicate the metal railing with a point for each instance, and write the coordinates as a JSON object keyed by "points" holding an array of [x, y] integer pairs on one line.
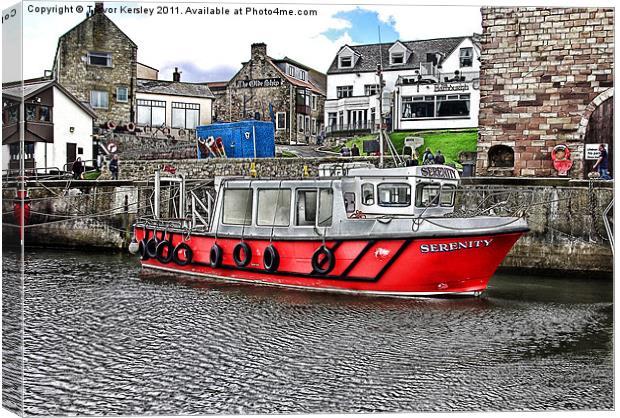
{"points": [[350, 127]]}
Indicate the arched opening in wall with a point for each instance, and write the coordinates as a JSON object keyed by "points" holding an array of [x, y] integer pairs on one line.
{"points": [[600, 130], [501, 156]]}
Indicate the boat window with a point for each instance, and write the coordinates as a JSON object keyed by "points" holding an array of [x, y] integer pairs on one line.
{"points": [[394, 194], [274, 207], [447, 195], [349, 202], [307, 207], [237, 207], [368, 194], [429, 195]]}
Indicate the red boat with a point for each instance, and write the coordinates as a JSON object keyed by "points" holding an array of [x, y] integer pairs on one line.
{"points": [[371, 231]]}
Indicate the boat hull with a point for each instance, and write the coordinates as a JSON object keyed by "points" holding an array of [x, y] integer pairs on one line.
{"points": [[405, 266]]}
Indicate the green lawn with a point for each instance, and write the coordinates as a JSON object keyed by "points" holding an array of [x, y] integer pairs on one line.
{"points": [[451, 143]]}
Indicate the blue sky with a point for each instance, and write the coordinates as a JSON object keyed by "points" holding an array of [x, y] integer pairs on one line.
{"points": [[365, 27]]}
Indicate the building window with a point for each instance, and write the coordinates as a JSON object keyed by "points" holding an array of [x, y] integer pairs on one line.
{"points": [[38, 113], [315, 125], [102, 59], [122, 94], [10, 113], [453, 105], [418, 107], [303, 97], [28, 151], [394, 194], [151, 112], [300, 123], [185, 115], [345, 62], [371, 89], [344, 91], [397, 58], [99, 99], [302, 75], [332, 119], [281, 121], [466, 57], [237, 207], [315, 100], [291, 71], [274, 207]]}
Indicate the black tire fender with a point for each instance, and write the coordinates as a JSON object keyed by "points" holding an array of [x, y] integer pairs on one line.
{"points": [[165, 244], [142, 249], [271, 259], [151, 245], [188, 254], [247, 254], [322, 256], [215, 256]]}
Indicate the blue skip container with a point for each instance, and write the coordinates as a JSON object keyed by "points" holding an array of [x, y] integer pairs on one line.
{"points": [[245, 139]]}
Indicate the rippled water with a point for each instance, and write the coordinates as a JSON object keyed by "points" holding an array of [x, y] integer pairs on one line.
{"points": [[100, 339]]}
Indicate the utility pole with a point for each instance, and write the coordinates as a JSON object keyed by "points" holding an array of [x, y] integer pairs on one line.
{"points": [[380, 74]]}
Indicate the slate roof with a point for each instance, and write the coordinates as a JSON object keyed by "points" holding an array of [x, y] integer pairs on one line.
{"points": [[173, 88], [369, 55]]}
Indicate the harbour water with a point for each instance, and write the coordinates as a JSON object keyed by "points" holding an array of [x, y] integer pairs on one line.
{"points": [[99, 338]]}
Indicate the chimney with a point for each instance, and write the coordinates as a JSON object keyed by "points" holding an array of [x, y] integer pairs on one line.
{"points": [[259, 50], [176, 75], [99, 7]]}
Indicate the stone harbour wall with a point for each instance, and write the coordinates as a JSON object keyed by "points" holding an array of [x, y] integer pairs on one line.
{"points": [[565, 217], [543, 72]]}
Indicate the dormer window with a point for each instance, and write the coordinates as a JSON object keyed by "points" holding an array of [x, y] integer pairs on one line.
{"points": [[302, 75], [291, 71], [345, 62], [397, 58], [466, 57]]}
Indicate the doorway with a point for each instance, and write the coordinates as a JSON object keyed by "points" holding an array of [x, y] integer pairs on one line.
{"points": [[600, 130]]}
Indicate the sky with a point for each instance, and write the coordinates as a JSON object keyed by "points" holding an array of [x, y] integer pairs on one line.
{"points": [[212, 47]]}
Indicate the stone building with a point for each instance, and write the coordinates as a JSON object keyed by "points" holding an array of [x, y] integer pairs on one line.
{"points": [[96, 62], [283, 90], [546, 83]]}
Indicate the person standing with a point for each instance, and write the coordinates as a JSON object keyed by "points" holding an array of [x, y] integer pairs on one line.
{"points": [[355, 151], [77, 168], [345, 151], [114, 166], [427, 157], [439, 158], [602, 164]]}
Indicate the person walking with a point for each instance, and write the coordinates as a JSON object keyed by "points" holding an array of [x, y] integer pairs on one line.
{"points": [[428, 157], [602, 164], [439, 158], [355, 151], [77, 168], [114, 166]]}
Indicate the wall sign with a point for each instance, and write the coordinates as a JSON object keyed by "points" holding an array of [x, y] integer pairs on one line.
{"points": [[592, 152], [452, 87], [263, 82]]}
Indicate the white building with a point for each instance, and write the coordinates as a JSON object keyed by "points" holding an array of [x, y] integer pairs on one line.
{"points": [[58, 127], [173, 104], [428, 84]]}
